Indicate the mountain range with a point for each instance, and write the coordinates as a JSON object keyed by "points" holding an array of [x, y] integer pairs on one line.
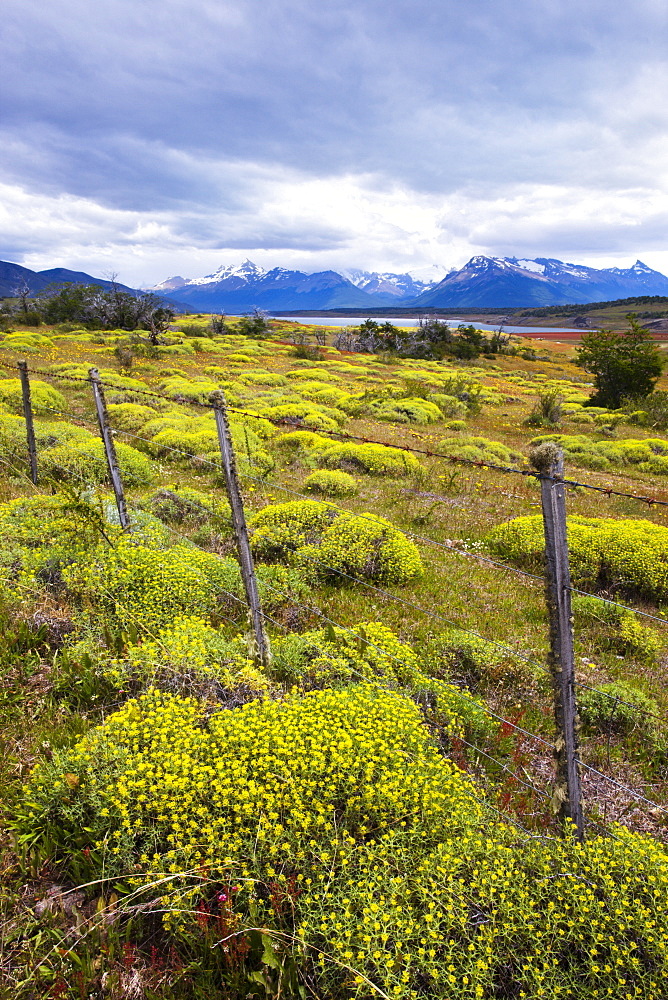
{"points": [[483, 282], [14, 277]]}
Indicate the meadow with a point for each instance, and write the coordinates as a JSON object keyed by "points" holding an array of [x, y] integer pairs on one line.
{"points": [[370, 814]]}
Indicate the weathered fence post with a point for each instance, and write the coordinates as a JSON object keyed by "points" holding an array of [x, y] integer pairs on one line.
{"points": [[109, 447], [260, 648], [549, 461], [27, 413]]}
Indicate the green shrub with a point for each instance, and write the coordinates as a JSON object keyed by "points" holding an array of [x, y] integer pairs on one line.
{"points": [[340, 806], [619, 707], [334, 542], [130, 416], [415, 411], [648, 455], [263, 378], [183, 503], [44, 397], [332, 483], [322, 418], [86, 460], [337, 656], [189, 656], [314, 374], [375, 459], [615, 628], [629, 555], [449, 406], [145, 587], [198, 390], [479, 449]]}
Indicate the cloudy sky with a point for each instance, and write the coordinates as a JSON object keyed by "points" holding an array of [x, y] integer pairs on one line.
{"points": [[159, 138]]}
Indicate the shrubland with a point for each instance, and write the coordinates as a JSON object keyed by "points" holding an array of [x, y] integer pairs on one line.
{"points": [[367, 814]]}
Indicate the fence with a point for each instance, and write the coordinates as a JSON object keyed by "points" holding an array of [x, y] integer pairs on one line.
{"points": [[548, 470]]}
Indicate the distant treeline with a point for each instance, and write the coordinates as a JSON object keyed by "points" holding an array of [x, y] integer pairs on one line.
{"points": [[635, 300], [517, 311]]}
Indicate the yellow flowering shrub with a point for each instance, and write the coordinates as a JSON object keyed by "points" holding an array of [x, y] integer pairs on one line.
{"points": [[43, 396], [323, 418], [130, 416], [334, 541], [484, 916], [406, 411], [375, 459], [331, 482], [191, 656], [183, 503], [145, 587], [479, 449], [646, 454], [86, 459], [301, 781], [630, 555], [370, 651], [611, 627], [333, 822], [48, 434]]}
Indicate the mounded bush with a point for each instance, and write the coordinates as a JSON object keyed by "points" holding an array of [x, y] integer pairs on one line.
{"points": [[414, 411], [322, 418], [479, 449], [334, 542], [375, 459], [44, 398], [629, 555], [621, 708], [647, 454], [615, 628], [130, 416], [331, 483], [340, 806], [86, 460]]}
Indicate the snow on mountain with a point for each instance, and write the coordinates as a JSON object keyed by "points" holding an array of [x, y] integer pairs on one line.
{"points": [[482, 281], [531, 265], [396, 286], [509, 281]]}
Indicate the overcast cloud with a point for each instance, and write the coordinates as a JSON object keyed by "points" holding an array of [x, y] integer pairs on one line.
{"points": [[160, 138]]}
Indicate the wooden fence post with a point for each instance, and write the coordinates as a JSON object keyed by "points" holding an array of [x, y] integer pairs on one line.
{"points": [[27, 413], [548, 459], [260, 648], [109, 447]]}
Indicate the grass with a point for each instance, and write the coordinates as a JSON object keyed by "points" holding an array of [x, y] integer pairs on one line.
{"points": [[447, 509]]}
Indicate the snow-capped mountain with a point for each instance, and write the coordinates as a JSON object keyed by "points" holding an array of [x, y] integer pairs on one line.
{"points": [[483, 281], [236, 289], [543, 281], [397, 286]]}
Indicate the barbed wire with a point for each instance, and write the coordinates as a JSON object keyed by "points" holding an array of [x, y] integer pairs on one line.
{"points": [[513, 652], [346, 435]]}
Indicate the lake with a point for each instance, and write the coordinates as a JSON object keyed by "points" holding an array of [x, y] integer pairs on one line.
{"points": [[406, 322]]}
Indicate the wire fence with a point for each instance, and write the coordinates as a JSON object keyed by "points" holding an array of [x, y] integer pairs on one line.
{"points": [[345, 435], [450, 549], [441, 546]]}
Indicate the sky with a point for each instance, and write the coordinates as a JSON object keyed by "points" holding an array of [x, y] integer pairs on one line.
{"points": [[153, 139]]}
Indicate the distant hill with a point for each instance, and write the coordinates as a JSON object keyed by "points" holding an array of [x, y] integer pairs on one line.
{"points": [[506, 281], [13, 276], [489, 282], [243, 288], [482, 283]]}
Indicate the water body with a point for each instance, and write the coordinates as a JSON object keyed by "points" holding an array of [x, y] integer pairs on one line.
{"points": [[407, 321]]}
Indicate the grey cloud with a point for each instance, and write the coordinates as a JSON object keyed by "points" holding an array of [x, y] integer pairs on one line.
{"points": [[186, 109]]}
